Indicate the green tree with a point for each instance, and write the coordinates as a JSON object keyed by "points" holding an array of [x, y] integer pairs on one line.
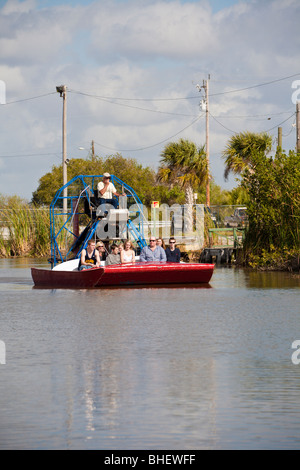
{"points": [[142, 180], [238, 196], [273, 206], [218, 196], [50, 183], [241, 148], [183, 164]]}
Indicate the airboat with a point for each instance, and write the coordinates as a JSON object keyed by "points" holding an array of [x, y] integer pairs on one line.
{"points": [[76, 217]]}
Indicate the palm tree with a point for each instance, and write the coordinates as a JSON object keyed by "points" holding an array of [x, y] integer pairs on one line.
{"points": [[241, 147], [184, 164]]}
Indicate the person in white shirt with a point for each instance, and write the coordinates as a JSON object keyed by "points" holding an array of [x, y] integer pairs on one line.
{"points": [[128, 254], [106, 191]]}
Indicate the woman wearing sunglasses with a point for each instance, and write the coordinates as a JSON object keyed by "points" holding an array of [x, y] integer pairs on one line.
{"points": [[101, 249]]}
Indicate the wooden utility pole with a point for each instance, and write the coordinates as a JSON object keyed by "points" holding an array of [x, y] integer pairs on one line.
{"points": [[205, 86], [298, 126], [63, 93], [279, 144], [93, 151]]}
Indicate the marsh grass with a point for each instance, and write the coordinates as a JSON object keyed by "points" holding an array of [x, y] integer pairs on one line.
{"points": [[24, 228]]}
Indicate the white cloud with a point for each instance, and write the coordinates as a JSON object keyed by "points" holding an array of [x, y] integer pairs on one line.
{"points": [[172, 30], [14, 6], [139, 50], [13, 77], [29, 36]]}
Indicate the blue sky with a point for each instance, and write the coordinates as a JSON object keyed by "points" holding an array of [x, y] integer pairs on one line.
{"points": [[216, 5], [131, 68]]}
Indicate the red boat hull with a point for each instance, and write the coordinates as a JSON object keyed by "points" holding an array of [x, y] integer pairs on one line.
{"points": [[156, 273], [66, 279], [125, 275]]}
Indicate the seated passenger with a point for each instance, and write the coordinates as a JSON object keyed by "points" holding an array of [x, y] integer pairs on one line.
{"points": [[90, 257], [153, 252], [160, 242], [101, 250], [114, 256], [128, 254], [172, 252]]}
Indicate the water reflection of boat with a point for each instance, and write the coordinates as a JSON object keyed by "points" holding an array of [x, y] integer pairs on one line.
{"points": [[137, 274], [74, 204]]}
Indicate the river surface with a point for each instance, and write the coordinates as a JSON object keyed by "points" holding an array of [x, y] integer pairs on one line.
{"points": [[150, 368]]}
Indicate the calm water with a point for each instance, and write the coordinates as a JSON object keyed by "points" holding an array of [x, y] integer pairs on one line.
{"points": [[158, 368]]}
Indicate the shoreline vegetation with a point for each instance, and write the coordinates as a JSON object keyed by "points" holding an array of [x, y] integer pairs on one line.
{"points": [[267, 186], [24, 230], [27, 235]]}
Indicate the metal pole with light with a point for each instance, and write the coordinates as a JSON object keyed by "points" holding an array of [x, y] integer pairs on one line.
{"points": [[92, 150], [205, 107], [62, 89], [207, 144]]}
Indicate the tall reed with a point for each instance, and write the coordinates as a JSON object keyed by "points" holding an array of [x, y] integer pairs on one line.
{"points": [[24, 228]]}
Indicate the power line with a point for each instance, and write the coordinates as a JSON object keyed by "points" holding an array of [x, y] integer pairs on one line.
{"points": [[154, 99], [278, 125], [132, 99], [255, 86], [222, 125], [28, 99], [291, 130], [186, 97], [252, 115], [29, 155], [108, 100], [154, 145], [234, 132]]}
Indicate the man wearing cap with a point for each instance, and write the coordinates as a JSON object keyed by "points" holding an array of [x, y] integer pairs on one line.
{"points": [[106, 191]]}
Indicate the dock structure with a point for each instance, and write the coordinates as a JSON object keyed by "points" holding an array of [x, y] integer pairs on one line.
{"points": [[223, 246]]}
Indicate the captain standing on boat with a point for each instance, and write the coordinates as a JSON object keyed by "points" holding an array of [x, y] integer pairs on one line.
{"points": [[153, 252], [106, 191]]}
